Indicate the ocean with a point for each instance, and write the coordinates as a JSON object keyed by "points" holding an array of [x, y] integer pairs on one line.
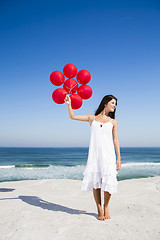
{"points": [[69, 163]]}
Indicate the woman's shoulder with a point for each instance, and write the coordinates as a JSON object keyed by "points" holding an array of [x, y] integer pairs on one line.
{"points": [[114, 122], [91, 115], [91, 118]]}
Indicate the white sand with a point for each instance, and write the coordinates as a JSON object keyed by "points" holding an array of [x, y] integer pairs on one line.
{"points": [[58, 209]]}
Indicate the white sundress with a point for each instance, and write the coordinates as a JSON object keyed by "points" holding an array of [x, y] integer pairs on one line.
{"points": [[100, 171]]}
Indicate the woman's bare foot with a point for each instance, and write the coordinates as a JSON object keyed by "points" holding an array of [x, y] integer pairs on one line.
{"points": [[106, 212], [100, 213], [101, 217]]}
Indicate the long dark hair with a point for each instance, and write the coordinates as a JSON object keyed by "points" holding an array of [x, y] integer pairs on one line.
{"points": [[104, 101]]}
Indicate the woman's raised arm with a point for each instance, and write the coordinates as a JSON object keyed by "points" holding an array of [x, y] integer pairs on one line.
{"points": [[87, 117]]}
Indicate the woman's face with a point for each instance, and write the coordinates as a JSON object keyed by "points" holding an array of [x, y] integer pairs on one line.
{"points": [[111, 105]]}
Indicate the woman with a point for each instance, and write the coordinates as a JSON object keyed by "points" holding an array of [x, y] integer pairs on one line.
{"points": [[100, 172]]}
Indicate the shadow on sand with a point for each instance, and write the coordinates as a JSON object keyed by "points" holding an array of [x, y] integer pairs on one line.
{"points": [[6, 189], [38, 202]]}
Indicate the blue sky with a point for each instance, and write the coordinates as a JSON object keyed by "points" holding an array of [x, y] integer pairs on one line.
{"points": [[118, 42]]}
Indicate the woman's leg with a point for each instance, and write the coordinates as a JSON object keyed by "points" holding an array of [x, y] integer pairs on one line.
{"points": [[107, 197], [97, 197]]}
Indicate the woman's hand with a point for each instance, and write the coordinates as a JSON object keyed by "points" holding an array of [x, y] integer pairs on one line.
{"points": [[118, 164], [67, 99]]}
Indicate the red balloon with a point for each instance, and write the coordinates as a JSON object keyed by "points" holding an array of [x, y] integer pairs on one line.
{"points": [[70, 85], [70, 70], [83, 77], [76, 101], [57, 78], [59, 95], [85, 91]]}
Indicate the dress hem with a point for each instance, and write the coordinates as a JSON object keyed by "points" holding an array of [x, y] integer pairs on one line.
{"points": [[104, 188]]}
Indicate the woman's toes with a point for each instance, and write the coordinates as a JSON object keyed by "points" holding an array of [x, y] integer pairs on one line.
{"points": [[101, 218]]}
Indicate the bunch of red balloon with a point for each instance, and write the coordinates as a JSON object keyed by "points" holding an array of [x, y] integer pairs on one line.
{"points": [[70, 86]]}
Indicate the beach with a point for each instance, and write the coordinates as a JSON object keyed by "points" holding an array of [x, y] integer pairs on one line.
{"points": [[58, 209]]}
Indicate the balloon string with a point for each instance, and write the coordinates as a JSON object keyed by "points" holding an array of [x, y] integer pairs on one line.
{"points": [[70, 89]]}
